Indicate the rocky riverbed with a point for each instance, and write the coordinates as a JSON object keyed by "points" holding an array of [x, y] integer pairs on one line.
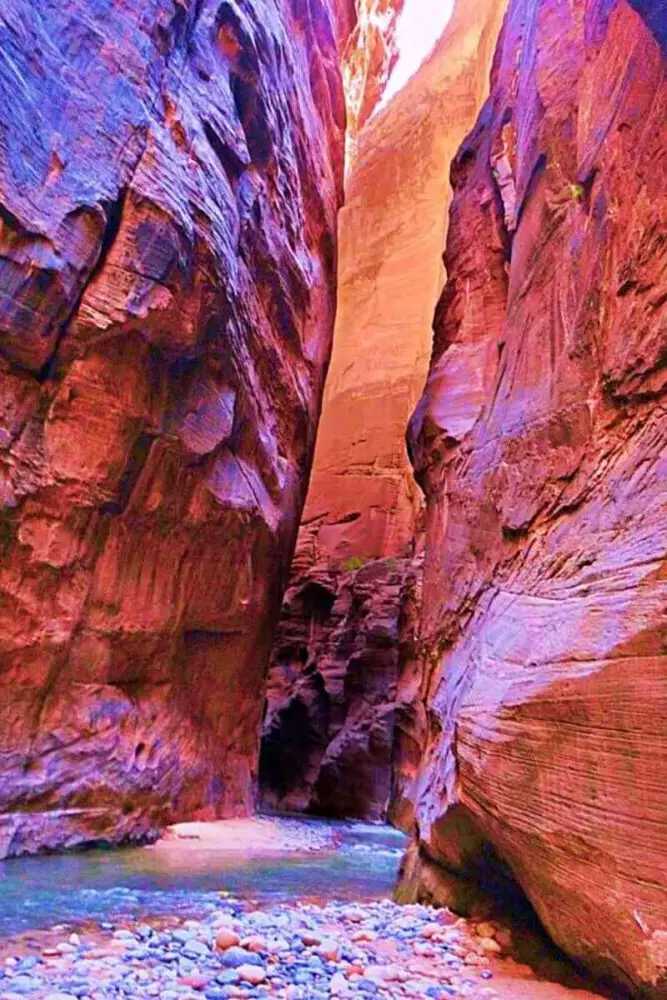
{"points": [[285, 907], [377, 949]]}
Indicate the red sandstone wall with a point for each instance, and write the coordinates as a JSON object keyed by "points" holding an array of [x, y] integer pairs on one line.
{"points": [[339, 690], [370, 55], [541, 443], [169, 179], [363, 508], [362, 500]]}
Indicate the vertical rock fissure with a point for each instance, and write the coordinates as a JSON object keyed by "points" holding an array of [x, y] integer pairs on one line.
{"points": [[360, 536]]}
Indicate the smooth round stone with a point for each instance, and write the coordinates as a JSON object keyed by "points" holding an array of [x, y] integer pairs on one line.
{"points": [[182, 935], [255, 943], [330, 950], [25, 984], [226, 938], [311, 940], [28, 963], [124, 935], [253, 974], [235, 957], [302, 978], [227, 977], [197, 948], [339, 986]]}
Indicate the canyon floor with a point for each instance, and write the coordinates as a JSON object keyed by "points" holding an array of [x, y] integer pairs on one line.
{"points": [[305, 948]]}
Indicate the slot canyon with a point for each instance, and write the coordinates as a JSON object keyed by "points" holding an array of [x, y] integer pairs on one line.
{"points": [[333, 499]]}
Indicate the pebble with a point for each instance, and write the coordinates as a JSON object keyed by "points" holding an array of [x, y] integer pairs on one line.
{"points": [[485, 930], [490, 945], [338, 985], [252, 974], [236, 956], [254, 943], [377, 951], [226, 938]]}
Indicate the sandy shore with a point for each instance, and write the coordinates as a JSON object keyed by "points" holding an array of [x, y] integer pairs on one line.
{"points": [[264, 835]]}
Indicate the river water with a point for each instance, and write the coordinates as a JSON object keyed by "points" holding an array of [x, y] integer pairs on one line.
{"points": [[353, 861]]}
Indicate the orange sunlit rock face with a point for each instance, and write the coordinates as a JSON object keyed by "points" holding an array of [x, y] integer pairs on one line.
{"points": [[540, 441], [169, 182], [363, 504], [369, 58], [362, 500]]}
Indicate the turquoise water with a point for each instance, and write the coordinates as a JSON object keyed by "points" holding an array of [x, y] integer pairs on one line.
{"points": [[106, 885]]}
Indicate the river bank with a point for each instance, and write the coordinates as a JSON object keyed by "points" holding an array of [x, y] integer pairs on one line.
{"points": [[318, 940], [264, 861], [376, 949]]}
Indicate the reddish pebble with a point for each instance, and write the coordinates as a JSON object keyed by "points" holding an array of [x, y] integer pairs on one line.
{"points": [[194, 982]]}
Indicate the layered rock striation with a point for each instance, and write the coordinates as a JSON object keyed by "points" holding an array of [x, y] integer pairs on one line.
{"points": [[363, 511], [370, 55], [170, 174], [340, 691], [541, 445], [362, 501]]}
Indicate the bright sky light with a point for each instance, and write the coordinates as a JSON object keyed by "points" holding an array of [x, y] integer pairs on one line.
{"points": [[419, 28]]}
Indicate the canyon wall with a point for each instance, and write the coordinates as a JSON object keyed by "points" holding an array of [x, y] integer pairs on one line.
{"points": [[368, 60], [339, 687], [541, 445], [363, 504], [170, 174]]}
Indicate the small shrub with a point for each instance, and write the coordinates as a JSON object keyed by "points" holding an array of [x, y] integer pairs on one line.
{"points": [[354, 562], [577, 192]]}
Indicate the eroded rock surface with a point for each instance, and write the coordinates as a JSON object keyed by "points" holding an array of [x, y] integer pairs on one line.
{"points": [[370, 56], [340, 689], [169, 178], [541, 445], [362, 500], [363, 507]]}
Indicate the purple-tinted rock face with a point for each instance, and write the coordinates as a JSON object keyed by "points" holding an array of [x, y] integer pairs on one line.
{"points": [[170, 173], [350, 677], [339, 723], [541, 442]]}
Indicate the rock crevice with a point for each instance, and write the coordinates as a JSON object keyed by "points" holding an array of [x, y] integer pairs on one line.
{"points": [[363, 512]]}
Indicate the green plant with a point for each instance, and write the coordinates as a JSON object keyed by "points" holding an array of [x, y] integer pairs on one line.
{"points": [[577, 192], [354, 562]]}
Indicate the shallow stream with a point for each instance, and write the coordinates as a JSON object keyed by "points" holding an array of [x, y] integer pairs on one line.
{"points": [[330, 860]]}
